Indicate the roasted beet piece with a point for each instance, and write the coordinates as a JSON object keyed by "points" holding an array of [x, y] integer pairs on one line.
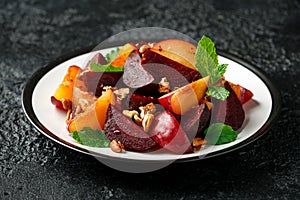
{"points": [[120, 128], [95, 81], [149, 90], [159, 66], [230, 111], [97, 58], [136, 100], [134, 74], [195, 121]]}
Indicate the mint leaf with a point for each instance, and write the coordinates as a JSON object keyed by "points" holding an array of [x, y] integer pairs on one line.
{"points": [[222, 69], [219, 133], [207, 64], [218, 92], [206, 57], [96, 67], [112, 55], [91, 137]]}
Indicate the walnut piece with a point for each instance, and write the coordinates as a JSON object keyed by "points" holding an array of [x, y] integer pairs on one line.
{"points": [[130, 113], [82, 106], [197, 143], [164, 86], [121, 93], [137, 120], [147, 120], [66, 103], [149, 108], [143, 48], [117, 146]]}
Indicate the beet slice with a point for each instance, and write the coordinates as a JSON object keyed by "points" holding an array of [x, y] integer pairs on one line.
{"points": [[97, 58], [195, 121], [230, 111], [159, 66], [120, 128], [134, 74], [95, 81], [136, 100]]}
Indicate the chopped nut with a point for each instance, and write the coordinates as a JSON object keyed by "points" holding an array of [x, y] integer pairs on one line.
{"points": [[78, 110], [197, 143], [66, 103], [137, 120], [121, 93], [143, 48], [105, 88], [82, 106], [130, 113], [164, 86], [151, 44], [146, 123], [69, 116], [149, 108], [117, 147], [83, 103]]}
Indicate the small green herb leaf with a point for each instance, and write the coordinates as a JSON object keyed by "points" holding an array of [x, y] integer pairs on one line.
{"points": [[112, 55], [218, 92], [206, 56], [91, 137], [208, 65], [219, 133], [222, 69], [96, 67]]}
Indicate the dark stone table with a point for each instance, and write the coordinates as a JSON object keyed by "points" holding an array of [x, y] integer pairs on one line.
{"points": [[265, 33]]}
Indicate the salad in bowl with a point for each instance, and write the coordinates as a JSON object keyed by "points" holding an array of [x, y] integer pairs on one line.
{"points": [[165, 96]]}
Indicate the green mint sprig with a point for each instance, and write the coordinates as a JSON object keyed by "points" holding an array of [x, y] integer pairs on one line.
{"points": [[207, 64], [219, 133], [91, 137], [112, 55], [96, 67]]}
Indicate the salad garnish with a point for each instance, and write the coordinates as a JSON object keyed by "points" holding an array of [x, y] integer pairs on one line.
{"points": [[208, 65]]}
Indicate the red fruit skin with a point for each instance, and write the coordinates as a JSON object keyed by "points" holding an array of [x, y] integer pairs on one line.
{"points": [[165, 100], [246, 95], [57, 103], [167, 132], [230, 111], [242, 93]]}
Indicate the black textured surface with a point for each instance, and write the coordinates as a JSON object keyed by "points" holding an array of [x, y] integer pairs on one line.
{"points": [[266, 33]]}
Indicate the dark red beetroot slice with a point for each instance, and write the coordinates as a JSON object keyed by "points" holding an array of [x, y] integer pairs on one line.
{"points": [[167, 132], [95, 81], [230, 111], [158, 70], [137, 100], [98, 58], [151, 89], [134, 74], [195, 121], [120, 128]]}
